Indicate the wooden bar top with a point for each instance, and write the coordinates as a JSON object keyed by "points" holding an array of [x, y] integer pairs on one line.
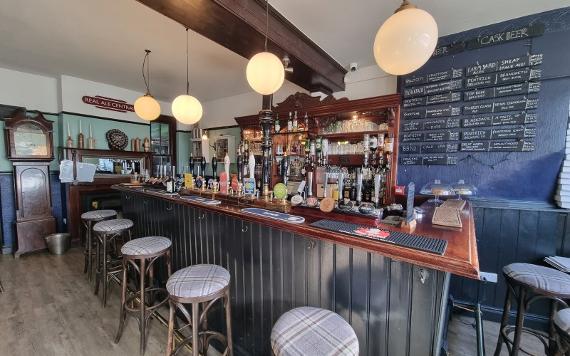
{"points": [[460, 257]]}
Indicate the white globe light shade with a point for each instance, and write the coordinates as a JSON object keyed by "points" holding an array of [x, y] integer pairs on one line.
{"points": [[265, 73], [405, 41], [187, 109], [147, 108]]}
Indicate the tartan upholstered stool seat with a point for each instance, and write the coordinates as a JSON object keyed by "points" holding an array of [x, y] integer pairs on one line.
{"points": [[198, 281], [112, 226], [98, 214], [201, 286], [527, 283], [150, 245], [88, 219], [562, 323], [545, 279], [313, 331]]}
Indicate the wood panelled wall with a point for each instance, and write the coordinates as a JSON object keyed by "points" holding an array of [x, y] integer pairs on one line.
{"points": [[513, 233], [391, 309]]}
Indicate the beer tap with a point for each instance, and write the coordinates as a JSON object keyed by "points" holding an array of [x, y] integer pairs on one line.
{"points": [[377, 182], [203, 166], [214, 167], [358, 186]]}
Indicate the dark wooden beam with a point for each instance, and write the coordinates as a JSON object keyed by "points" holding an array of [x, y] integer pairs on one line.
{"points": [[239, 25]]}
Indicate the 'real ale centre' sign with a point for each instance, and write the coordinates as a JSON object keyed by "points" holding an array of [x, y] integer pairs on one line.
{"points": [[105, 103]]}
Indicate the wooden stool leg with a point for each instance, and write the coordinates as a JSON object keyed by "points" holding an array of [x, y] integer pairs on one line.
{"points": [[97, 265], [89, 252], [229, 339], [104, 273], [85, 249], [504, 321], [142, 323], [520, 322], [171, 316], [195, 328], [168, 263], [123, 313], [552, 345]]}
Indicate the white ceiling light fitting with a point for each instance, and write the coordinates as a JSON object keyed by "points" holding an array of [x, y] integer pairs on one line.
{"points": [[186, 108], [406, 40], [146, 106], [265, 72]]}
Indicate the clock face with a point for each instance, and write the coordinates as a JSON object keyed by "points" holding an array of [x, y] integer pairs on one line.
{"points": [[30, 140]]}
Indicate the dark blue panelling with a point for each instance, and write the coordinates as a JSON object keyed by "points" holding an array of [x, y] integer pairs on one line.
{"points": [[8, 211], [523, 176], [8, 207]]}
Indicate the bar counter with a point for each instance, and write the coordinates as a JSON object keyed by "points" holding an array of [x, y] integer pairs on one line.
{"points": [[394, 297]]}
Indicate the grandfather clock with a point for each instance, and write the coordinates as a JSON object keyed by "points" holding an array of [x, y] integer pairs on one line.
{"points": [[29, 145]]}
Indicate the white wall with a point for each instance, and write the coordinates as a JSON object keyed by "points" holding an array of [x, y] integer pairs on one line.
{"points": [[73, 89], [32, 91], [367, 82], [221, 112]]}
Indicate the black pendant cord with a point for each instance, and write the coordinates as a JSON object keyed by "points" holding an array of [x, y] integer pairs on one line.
{"points": [[146, 77], [266, 22], [187, 80]]}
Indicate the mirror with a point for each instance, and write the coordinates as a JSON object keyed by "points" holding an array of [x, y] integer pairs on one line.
{"points": [[116, 165]]}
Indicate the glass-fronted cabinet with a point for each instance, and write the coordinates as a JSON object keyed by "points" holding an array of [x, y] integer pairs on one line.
{"points": [[163, 144]]}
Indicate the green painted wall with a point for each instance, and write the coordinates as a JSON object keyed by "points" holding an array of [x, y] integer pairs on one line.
{"points": [[182, 149], [100, 127]]}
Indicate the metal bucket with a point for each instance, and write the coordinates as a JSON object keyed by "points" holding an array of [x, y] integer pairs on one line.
{"points": [[57, 244]]}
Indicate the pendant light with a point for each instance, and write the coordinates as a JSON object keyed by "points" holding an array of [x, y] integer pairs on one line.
{"points": [[146, 107], [265, 72], [406, 40], [186, 108]]}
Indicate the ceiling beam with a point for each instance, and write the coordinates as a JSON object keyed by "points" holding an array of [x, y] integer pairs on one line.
{"points": [[239, 25]]}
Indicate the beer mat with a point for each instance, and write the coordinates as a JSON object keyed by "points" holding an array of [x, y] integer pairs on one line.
{"points": [[446, 217], [201, 200], [417, 242], [275, 215], [454, 203]]}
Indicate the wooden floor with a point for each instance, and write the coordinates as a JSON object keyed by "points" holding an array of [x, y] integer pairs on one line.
{"points": [[48, 308]]}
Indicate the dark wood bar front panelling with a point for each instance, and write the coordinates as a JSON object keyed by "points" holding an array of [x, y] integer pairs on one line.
{"points": [[391, 309], [508, 234]]}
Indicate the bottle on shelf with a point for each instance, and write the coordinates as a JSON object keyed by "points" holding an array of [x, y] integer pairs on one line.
{"points": [[277, 126], [290, 122], [295, 122], [306, 128], [170, 182]]}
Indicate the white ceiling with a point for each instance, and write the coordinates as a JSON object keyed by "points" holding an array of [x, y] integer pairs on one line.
{"points": [[104, 40], [346, 28]]}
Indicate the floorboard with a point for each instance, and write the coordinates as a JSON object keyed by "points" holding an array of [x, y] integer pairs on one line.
{"points": [[48, 309]]}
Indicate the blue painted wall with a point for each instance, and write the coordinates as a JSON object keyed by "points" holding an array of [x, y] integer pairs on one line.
{"points": [[523, 176]]}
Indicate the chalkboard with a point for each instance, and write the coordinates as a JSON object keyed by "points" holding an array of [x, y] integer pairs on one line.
{"points": [[481, 108]]}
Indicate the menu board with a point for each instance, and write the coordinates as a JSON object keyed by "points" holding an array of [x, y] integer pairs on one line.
{"points": [[481, 108]]}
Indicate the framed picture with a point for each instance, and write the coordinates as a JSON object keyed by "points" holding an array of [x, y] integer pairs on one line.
{"points": [[223, 144]]}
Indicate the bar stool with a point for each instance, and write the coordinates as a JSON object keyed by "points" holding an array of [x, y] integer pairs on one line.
{"points": [[107, 233], [141, 254], [562, 325], [199, 285], [313, 331], [527, 283], [88, 219]]}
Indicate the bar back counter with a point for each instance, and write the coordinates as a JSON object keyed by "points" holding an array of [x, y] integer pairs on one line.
{"points": [[394, 297]]}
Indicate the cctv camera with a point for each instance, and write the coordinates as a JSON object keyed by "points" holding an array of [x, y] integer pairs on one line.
{"points": [[353, 67]]}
